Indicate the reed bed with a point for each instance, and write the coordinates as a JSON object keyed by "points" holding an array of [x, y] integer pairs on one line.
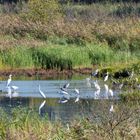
{"points": [[62, 57]]}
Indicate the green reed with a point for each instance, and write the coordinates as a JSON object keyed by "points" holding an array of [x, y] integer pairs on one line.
{"points": [[60, 57]]}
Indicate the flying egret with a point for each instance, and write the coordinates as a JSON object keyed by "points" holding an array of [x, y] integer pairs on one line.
{"points": [[65, 86], [97, 85], [42, 104], [111, 109], [41, 92], [9, 80], [106, 77]]}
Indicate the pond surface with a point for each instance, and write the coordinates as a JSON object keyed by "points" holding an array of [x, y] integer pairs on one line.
{"points": [[57, 106]]}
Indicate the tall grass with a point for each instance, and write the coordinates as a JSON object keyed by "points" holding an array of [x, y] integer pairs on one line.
{"points": [[62, 57], [17, 57], [101, 33]]}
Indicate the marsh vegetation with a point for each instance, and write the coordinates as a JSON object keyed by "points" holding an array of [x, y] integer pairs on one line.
{"points": [[64, 36]]}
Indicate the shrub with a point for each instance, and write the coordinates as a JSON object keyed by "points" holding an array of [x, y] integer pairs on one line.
{"points": [[43, 10]]}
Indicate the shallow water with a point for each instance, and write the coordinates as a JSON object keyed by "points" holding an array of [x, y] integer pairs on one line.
{"points": [[57, 106]]}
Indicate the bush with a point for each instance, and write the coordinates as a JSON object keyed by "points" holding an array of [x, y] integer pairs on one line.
{"points": [[43, 10], [132, 96]]}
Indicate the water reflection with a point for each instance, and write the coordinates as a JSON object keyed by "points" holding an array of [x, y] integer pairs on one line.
{"points": [[41, 106], [11, 92], [65, 111], [74, 98]]}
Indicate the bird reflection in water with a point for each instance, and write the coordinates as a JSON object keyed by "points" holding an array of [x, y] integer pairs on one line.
{"points": [[41, 106]]}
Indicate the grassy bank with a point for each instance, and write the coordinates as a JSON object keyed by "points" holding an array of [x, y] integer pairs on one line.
{"points": [[103, 34], [49, 55]]}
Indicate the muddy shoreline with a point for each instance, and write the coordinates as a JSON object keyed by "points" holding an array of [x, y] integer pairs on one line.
{"points": [[44, 72]]}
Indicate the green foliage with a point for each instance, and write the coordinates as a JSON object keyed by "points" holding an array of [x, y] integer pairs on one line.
{"points": [[43, 10], [60, 57], [128, 9], [18, 57], [131, 96], [63, 56]]}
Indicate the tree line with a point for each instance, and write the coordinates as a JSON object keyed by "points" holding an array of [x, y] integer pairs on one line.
{"points": [[73, 1]]}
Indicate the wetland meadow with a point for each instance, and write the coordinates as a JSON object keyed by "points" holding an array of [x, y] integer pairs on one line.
{"points": [[70, 70]]}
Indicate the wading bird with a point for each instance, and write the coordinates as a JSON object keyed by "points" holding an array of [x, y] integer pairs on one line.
{"points": [[111, 109], [106, 77], [97, 85], [9, 80], [41, 92], [106, 91], [111, 92]]}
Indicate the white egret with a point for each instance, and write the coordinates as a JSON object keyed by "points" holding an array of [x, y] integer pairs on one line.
{"points": [[9, 80], [106, 77], [111, 92], [63, 101], [14, 87], [97, 85], [41, 92], [68, 127], [106, 90], [64, 92], [111, 109], [65, 86], [42, 104]]}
